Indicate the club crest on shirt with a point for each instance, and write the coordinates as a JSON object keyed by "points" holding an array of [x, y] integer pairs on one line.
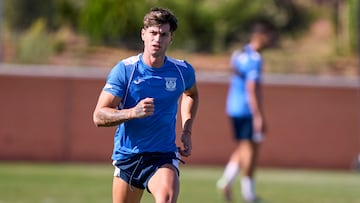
{"points": [[170, 84]]}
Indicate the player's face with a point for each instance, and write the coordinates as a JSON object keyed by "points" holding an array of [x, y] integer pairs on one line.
{"points": [[156, 39], [268, 39]]}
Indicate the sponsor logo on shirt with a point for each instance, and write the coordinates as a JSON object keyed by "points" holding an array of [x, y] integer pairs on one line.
{"points": [[138, 81], [108, 86]]}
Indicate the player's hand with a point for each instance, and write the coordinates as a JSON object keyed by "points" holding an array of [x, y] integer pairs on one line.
{"points": [[187, 144], [258, 124], [144, 108]]}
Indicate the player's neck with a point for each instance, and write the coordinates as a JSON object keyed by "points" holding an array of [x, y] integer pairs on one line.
{"points": [[255, 45], [153, 61]]}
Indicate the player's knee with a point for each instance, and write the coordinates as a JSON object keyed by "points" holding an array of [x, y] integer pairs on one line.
{"points": [[165, 195], [166, 198]]}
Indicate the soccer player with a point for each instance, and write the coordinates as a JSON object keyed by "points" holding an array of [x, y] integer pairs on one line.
{"points": [[141, 98], [244, 107]]}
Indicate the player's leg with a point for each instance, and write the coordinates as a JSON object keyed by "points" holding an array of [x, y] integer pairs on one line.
{"points": [[242, 132], [164, 184], [242, 157], [232, 166], [230, 173], [249, 151], [123, 193]]}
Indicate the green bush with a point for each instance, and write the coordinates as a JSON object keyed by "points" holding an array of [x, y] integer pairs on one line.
{"points": [[196, 24], [34, 45], [204, 25], [354, 24], [109, 21], [234, 18], [19, 15]]}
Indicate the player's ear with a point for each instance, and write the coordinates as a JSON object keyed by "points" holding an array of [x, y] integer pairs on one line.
{"points": [[172, 37], [142, 33]]}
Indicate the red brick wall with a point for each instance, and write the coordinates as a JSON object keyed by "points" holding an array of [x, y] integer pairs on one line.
{"points": [[47, 118]]}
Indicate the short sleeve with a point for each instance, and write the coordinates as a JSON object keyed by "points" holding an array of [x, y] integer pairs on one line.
{"points": [[253, 70], [116, 81], [190, 78], [253, 67], [233, 58]]}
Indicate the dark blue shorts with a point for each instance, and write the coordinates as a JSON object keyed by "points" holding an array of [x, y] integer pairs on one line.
{"points": [[242, 128], [138, 169]]}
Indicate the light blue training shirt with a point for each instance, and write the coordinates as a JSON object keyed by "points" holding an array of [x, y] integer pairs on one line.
{"points": [[247, 65], [132, 80]]}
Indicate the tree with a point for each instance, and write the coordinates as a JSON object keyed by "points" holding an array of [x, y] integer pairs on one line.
{"points": [[234, 18], [110, 21], [19, 14]]}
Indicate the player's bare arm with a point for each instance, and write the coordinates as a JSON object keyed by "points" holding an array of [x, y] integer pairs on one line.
{"points": [[107, 114], [254, 91], [189, 105]]}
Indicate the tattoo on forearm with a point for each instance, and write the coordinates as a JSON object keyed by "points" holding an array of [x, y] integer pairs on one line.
{"points": [[112, 118]]}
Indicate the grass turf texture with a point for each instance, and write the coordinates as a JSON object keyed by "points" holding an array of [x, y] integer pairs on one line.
{"points": [[74, 183]]}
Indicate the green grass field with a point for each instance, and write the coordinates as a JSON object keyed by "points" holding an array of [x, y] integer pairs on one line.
{"points": [[75, 183]]}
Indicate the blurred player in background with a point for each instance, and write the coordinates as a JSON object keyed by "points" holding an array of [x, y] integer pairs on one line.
{"points": [[141, 97], [244, 107]]}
